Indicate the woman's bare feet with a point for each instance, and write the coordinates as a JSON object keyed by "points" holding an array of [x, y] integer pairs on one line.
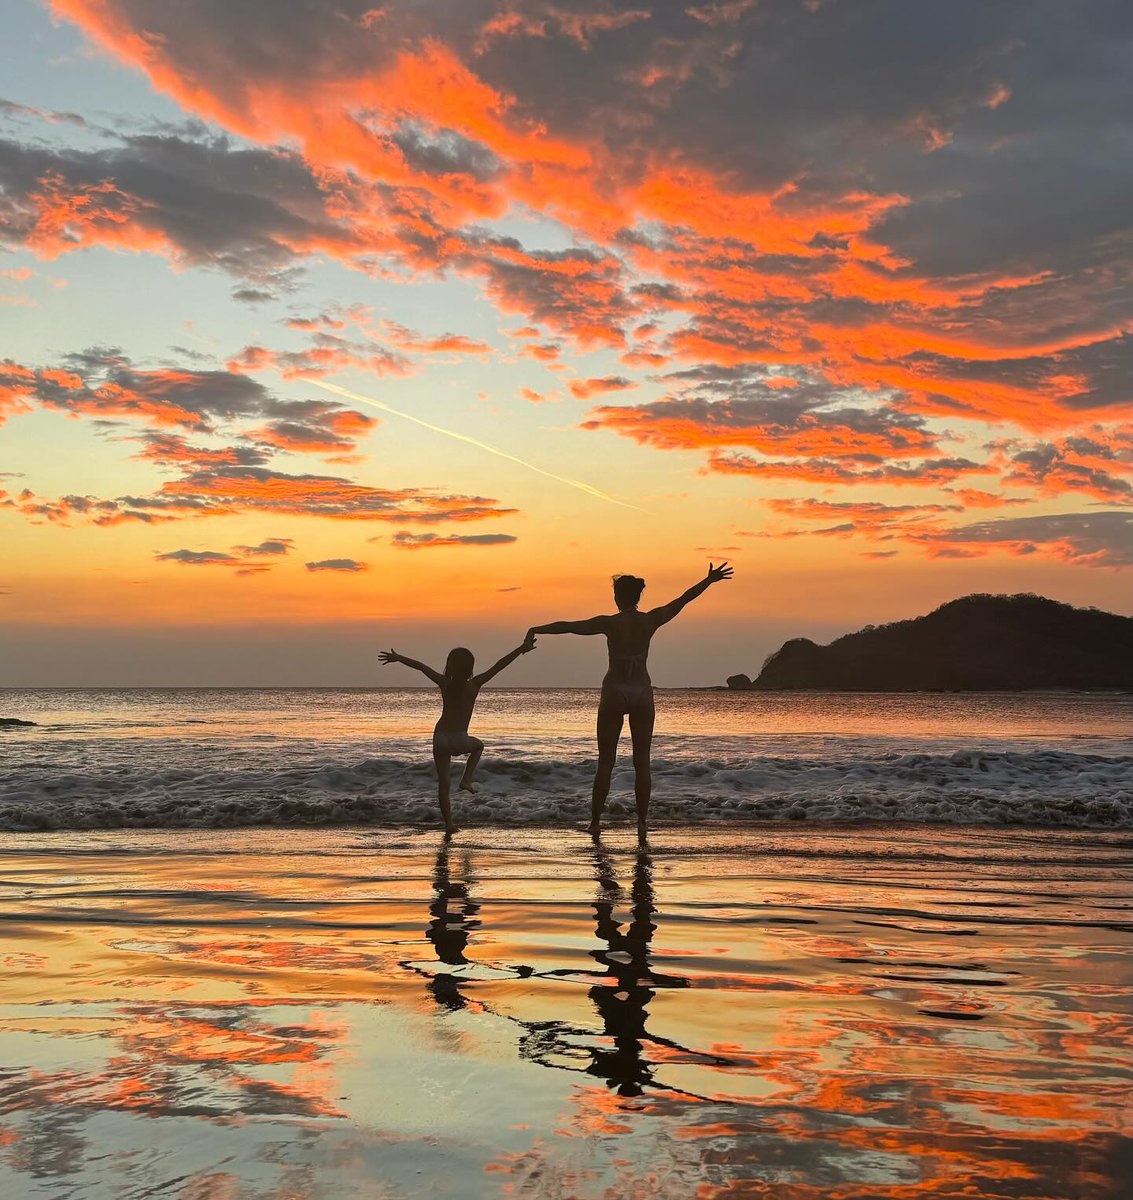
{"points": [[466, 785]]}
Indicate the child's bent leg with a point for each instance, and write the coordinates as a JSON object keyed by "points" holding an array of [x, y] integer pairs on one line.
{"points": [[443, 761], [470, 766]]}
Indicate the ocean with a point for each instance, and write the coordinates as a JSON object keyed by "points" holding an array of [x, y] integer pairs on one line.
{"points": [[220, 757]]}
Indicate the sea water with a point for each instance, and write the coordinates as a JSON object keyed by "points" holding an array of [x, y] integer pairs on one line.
{"points": [[215, 757]]}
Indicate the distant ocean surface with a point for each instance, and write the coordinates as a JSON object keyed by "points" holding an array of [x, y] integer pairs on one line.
{"points": [[219, 757]]}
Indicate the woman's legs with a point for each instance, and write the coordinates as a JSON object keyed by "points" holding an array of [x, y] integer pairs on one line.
{"points": [[443, 760], [609, 730], [641, 731], [470, 766]]}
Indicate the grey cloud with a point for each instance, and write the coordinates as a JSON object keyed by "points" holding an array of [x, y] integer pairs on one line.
{"points": [[337, 564], [10, 108], [742, 406], [445, 152], [418, 541], [170, 449], [863, 469], [249, 212], [250, 295], [102, 380], [1100, 539], [1102, 371], [198, 557], [270, 547], [1073, 465], [199, 394], [576, 291]]}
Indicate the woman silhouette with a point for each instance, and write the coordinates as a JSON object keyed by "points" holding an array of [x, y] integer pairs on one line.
{"points": [[627, 689]]}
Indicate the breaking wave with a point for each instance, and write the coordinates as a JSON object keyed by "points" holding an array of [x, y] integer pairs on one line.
{"points": [[1038, 788]]}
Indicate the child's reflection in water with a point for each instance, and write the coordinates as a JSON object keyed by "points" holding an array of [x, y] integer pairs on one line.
{"points": [[455, 915], [618, 1051]]}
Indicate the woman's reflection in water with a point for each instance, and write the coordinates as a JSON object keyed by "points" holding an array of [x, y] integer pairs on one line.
{"points": [[622, 999]]}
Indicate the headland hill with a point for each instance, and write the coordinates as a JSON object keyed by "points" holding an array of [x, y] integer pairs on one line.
{"points": [[977, 643]]}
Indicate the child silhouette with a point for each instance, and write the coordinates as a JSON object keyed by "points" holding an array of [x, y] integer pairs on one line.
{"points": [[459, 689]]}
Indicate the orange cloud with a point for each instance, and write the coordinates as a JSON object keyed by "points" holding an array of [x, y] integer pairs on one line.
{"points": [[802, 428], [258, 489], [1093, 539], [583, 389]]}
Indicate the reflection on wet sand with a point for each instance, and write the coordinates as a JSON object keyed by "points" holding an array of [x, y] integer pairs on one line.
{"points": [[620, 1052], [814, 1016], [454, 918], [622, 1001]]}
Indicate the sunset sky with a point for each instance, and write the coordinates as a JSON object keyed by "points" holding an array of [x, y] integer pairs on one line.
{"points": [[839, 290]]}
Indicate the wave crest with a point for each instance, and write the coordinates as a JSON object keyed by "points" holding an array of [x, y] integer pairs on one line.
{"points": [[1044, 788]]}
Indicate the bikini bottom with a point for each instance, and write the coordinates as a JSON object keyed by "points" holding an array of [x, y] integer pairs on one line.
{"points": [[636, 699], [452, 742]]}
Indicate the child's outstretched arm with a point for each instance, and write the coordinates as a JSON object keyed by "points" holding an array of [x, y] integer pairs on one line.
{"points": [[392, 656], [666, 612], [507, 660]]}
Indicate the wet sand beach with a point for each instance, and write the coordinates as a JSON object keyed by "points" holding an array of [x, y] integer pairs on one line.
{"points": [[775, 1010]]}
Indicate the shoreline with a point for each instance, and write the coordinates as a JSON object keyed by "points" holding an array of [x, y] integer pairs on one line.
{"points": [[730, 828]]}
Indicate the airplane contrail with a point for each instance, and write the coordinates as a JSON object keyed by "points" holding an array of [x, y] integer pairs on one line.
{"points": [[463, 437]]}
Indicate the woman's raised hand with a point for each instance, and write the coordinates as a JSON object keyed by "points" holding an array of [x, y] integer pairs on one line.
{"points": [[389, 656], [715, 574]]}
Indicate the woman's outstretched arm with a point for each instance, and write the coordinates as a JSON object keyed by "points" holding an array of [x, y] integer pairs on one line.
{"points": [[667, 612], [506, 661], [392, 656], [592, 625]]}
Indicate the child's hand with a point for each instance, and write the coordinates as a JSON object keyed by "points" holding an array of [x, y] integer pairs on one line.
{"points": [[389, 656]]}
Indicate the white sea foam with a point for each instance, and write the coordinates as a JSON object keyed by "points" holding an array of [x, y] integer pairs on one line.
{"points": [[213, 758], [1040, 787]]}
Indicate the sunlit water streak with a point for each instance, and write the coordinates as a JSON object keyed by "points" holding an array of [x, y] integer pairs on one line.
{"points": [[226, 757], [846, 1011]]}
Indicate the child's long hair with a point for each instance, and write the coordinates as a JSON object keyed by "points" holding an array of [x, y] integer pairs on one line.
{"points": [[459, 666]]}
